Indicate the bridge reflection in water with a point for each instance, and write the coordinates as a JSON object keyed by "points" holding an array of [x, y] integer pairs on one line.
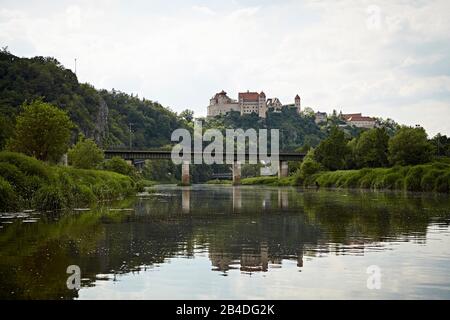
{"points": [[283, 199], [255, 259], [246, 229]]}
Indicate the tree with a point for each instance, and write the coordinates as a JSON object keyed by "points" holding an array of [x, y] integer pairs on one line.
{"points": [[85, 154], [187, 115], [410, 146], [117, 164], [309, 112], [159, 170], [42, 131], [309, 166], [332, 151], [6, 129], [441, 145], [371, 149]]}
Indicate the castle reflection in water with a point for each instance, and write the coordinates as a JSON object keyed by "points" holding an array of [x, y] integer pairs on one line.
{"points": [[237, 230], [272, 225]]}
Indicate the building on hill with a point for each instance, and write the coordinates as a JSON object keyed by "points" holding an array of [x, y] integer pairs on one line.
{"points": [[320, 117], [274, 104], [358, 120], [221, 104], [247, 103], [250, 102]]}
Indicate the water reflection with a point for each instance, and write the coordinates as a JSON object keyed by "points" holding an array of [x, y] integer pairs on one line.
{"points": [[273, 226], [186, 200]]}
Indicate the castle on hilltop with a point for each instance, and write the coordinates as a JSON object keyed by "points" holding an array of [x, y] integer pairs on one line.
{"points": [[247, 103]]}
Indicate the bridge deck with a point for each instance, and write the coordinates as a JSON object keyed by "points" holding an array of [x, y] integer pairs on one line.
{"points": [[161, 155]]}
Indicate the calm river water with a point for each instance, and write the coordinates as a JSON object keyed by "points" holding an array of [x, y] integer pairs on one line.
{"points": [[223, 242]]}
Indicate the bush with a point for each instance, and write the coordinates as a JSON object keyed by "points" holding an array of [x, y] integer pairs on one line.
{"points": [[118, 165], [393, 181], [85, 154], [443, 183], [428, 177], [8, 199], [49, 197], [13, 175], [428, 182], [33, 183], [29, 166], [413, 179], [367, 179], [352, 180], [307, 168]]}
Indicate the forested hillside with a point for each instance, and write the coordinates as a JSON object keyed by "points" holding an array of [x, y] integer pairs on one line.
{"points": [[100, 114], [106, 115]]}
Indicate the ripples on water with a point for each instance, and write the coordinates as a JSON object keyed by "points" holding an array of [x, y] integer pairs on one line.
{"points": [[232, 242]]}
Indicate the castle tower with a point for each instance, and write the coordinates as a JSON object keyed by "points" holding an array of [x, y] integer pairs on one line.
{"points": [[298, 103], [262, 105]]}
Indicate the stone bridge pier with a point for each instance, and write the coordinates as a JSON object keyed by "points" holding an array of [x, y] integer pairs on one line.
{"points": [[236, 173], [283, 169], [185, 179]]}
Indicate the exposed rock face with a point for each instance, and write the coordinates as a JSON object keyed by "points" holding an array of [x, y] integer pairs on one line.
{"points": [[101, 122]]}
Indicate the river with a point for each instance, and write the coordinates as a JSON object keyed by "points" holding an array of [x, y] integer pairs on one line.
{"points": [[224, 242]]}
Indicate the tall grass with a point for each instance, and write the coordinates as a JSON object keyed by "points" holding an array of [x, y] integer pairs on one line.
{"points": [[432, 177], [28, 183]]}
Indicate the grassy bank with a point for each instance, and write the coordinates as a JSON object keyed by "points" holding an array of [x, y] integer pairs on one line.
{"points": [[432, 177], [218, 181], [269, 180], [27, 183]]}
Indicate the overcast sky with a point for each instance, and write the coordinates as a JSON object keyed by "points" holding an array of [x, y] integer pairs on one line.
{"points": [[381, 58]]}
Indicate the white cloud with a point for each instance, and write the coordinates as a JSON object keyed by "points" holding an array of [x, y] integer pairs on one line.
{"points": [[73, 17], [204, 10], [182, 53]]}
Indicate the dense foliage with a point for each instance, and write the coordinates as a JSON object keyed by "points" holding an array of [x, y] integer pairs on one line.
{"points": [[295, 129], [332, 151], [42, 131], [85, 154], [371, 149], [26, 182], [410, 146], [432, 177], [99, 114]]}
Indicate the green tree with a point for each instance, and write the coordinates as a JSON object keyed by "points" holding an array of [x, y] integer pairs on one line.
{"points": [[159, 170], [332, 151], [187, 115], [42, 131], [371, 149], [308, 166], [117, 164], [441, 145], [85, 154], [6, 129], [410, 146]]}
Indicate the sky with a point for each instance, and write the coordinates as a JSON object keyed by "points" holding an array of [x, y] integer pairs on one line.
{"points": [[384, 58]]}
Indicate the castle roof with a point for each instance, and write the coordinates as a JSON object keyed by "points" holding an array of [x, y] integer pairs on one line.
{"points": [[221, 93], [297, 97], [360, 118], [249, 96], [262, 94], [350, 115]]}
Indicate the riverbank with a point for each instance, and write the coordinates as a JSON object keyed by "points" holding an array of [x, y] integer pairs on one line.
{"points": [[432, 177], [27, 183], [266, 180]]}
